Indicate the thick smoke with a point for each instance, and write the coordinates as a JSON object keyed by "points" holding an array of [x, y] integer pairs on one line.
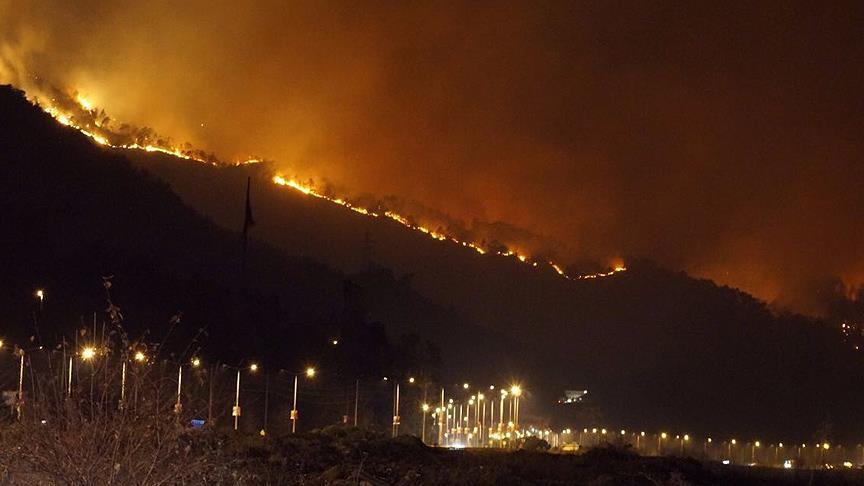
{"points": [[717, 138]]}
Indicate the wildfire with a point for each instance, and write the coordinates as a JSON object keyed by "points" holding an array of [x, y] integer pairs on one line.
{"points": [[310, 190], [89, 124]]}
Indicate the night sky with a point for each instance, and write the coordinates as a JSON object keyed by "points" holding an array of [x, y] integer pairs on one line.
{"points": [[721, 138]]}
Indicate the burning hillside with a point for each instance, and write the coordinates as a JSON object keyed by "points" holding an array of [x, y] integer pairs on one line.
{"points": [[79, 113]]}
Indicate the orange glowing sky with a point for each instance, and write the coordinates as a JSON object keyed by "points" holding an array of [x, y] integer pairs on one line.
{"points": [[720, 139]]}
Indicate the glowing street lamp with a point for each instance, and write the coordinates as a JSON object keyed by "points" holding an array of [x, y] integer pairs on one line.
{"points": [[140, 357], [310, 373], [196, 362], [40, 296], [753, 451], [88, 353], [660, 439]]}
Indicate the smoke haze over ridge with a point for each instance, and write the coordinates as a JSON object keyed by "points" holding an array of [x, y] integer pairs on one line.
{"points": [[720, 139]]}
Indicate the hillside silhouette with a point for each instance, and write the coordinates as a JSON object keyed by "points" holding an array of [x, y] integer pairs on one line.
{"points": [[74, 213], [657, 349]]}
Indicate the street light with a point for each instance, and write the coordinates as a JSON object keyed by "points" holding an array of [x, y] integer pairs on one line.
{"points": [[236, 410], [516, 391], [310, 372], [425, 408]]}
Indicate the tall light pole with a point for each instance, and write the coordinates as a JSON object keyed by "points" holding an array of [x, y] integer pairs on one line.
{"points": [[440, 423], [266, 403], [481, 406], [425, 408], [469, 427], [516, 391], [501, 411], [88, 354], [122, 404], [235, 412], [395, 430], [310, 372], [19, 403], [69, 381], [178, 406]]}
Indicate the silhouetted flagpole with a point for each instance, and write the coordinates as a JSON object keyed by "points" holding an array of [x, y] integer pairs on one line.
{"points": [[248, 220]]}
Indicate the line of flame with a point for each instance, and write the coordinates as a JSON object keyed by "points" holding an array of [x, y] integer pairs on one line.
{"points": [[404, 221], [311, 191]]}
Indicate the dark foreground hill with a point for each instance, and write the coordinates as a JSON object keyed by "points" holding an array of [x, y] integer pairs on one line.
{"points": [[657, 349]]}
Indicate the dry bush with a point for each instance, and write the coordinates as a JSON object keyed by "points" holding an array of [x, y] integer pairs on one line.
{"points": [[67, 443]]}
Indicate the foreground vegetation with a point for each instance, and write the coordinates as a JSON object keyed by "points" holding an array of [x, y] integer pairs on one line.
{"points": [[148, 452]]}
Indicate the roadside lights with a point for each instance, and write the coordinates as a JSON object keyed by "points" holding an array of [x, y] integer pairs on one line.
{"points": [[88, 353]]}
